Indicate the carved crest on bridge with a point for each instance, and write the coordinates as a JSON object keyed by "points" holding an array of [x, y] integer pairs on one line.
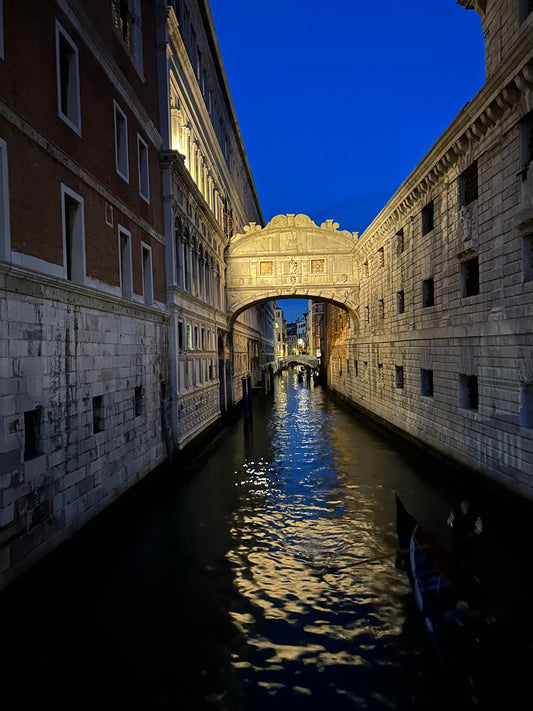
{"points": [[291, 257]]}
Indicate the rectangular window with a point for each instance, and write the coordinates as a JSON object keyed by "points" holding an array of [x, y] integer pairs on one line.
{"points": [[400, 302], [5, 239], [526, 405], [527, 257], [148, 278], [181, 336], [525, 8], [144, 173], [356, 368], [121, 143], [138, 401], [32, 433], [400, 242], [73, 223], [381, 309], [468, 188], [470, 277], [189, 337], [398, 369], [381, 375], [427, 218], [526, 144], [347, 365], [98, 414], [381, 257], [68, 80], [468, 392], [426, 382], [126, 274], [428, 292]]}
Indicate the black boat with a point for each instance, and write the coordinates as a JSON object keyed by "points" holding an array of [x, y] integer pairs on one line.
{"points": [[479, 659]]}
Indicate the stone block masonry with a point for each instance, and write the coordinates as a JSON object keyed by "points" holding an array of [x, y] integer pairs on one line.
{"points": [[80, 418]]}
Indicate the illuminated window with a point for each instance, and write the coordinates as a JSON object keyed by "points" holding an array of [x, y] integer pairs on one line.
{"points": [[68, 80], [121, 143], [266, 268]]}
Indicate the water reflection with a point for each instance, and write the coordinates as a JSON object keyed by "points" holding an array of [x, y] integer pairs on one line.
{"points": [[263, 579], [312, 555]]}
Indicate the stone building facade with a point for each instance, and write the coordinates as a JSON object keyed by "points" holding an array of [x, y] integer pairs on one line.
{"points": [[442, 347], [208, 194], [122, 177]]}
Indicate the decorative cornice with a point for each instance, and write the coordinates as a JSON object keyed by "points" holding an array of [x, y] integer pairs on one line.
{"points": [[480, 6], [496, 98]]}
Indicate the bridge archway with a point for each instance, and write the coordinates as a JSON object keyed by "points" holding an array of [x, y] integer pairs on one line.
{"points": [[291, 258]]}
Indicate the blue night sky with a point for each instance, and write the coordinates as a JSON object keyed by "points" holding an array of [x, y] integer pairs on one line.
{"points": [[338, 101]]}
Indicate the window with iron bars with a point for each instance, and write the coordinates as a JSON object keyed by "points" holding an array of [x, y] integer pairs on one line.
{"points": [[468, 185]]}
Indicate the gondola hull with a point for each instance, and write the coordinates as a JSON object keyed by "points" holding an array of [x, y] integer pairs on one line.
{"points": [[466, 640]]}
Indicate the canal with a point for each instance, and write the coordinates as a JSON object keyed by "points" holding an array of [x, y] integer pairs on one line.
{"points": [[260, 576]]}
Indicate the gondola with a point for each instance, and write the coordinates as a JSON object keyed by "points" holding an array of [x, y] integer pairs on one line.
{"points": [[467, 638]]}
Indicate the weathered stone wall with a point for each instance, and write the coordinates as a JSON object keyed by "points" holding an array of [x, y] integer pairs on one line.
{"points": [[60, 347], [442, 347]]}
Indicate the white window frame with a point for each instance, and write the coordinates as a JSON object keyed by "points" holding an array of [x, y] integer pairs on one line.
{"points": [[78, 265], [125, 263], [122, 163], [5, 230], [73, 118], [144, 168], [148, 274]]}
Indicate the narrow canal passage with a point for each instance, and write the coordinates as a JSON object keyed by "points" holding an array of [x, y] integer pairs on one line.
{"points": [[265, 580]]}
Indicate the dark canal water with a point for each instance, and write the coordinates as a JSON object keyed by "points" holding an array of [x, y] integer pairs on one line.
{"points": [[262, 577]]}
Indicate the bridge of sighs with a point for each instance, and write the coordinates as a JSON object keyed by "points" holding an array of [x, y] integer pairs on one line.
{"points": [[291, 258]]}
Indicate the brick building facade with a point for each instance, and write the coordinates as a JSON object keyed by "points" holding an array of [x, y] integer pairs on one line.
{"points": [[113, 333]]}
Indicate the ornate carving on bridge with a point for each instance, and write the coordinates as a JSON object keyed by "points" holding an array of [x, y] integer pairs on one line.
{"points": [[291, 256]]}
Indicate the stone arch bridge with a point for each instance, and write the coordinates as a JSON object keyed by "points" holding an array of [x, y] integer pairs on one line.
{"points": [[291, 258], [299, 359]]}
